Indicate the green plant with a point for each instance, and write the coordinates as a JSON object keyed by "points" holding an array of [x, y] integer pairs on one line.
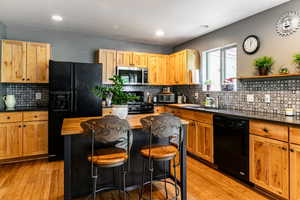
{"points": [[264, 64], [119, 97], [297, 59]]}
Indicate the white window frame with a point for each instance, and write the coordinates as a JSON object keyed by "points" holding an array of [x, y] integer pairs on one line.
{"points": [[222, 63]]}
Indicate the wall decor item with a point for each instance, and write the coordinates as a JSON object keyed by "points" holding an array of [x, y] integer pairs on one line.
{"points": [[297, 61], [264, 65], [251, 44], [288, 23]]}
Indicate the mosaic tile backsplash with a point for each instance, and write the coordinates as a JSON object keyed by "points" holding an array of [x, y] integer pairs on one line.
{"points": [[284, 94], [25, 94]]}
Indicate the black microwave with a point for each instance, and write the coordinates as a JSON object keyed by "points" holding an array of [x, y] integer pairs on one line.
{"points": [[133, 75]]}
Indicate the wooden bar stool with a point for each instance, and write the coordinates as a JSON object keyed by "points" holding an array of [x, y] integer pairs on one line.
{"points": [[115, 133], [162, 126]]}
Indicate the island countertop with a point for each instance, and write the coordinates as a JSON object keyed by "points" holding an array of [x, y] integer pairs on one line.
{"points": [[71, 126]]}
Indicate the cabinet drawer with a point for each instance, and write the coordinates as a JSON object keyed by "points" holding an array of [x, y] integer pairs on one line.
{"points": [[195, 115], [35, 116], [295, 135], [159, 109], [269, 130], [106, 111], [11, 117]]}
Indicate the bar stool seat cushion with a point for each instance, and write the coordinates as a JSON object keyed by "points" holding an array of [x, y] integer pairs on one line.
{"points": [[163, 152], [109, 157]]}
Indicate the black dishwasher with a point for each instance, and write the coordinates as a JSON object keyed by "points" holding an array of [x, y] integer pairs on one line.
{"points": [[231, 146]]}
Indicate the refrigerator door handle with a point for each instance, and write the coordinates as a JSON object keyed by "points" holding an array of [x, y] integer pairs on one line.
{"points": [[75, 101], [72, 102]]}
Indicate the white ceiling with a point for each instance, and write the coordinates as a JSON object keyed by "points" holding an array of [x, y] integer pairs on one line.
{"points": [[133, 20]]}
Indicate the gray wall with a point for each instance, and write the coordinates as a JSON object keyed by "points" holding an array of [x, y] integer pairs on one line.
{"points": [[262, 25], [69, 46], [2, 31]]}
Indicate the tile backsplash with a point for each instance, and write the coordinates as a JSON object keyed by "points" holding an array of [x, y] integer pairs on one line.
{"points": [[25, 94], [284, 94]]}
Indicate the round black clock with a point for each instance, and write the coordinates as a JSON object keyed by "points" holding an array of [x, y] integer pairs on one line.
{"points": [[251, 44]]}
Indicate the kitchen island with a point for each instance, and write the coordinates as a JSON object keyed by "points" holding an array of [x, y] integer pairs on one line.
{"points": [[77, 181]]}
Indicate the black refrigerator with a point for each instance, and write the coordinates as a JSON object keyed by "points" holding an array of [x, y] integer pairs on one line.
{"points": [[70, 95]]}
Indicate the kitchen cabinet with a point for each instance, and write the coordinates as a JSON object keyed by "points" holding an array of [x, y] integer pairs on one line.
{"points": [[38, 56], [199, 132], [124, 58], [108, 58], [24, 62], [157, 69], [204, 141], [269, 165], [11, 140], [183, 68], [23, 134], [13, 61], [35, 138], [294, 172], [140, 59], [171, 70], [159, 109]]}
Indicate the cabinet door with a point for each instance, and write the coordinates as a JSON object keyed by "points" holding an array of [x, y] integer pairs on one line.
{"points": [[38, 56], [269, 165], [153, 69], [124, 58], [191, 137], [171, 70], [294, 172], [13, 61], [108, 59], [204, 141], [35, 138], [11, 140], [140, 59]]}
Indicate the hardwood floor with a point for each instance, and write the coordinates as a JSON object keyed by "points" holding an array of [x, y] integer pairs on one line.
{"points": [[41, 180]]}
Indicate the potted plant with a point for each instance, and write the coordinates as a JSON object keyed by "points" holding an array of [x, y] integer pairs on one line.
{"points": [[119, 98], [264, 65], [297, 61]]}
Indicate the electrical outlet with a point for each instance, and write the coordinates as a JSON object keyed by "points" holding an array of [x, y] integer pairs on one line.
{"points": [[267, 98], [250, 97], [196, 95], [38, 96]]}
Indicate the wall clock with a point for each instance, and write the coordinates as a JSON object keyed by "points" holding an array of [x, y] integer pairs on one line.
{"points": [[288, 23], [251, 44]]}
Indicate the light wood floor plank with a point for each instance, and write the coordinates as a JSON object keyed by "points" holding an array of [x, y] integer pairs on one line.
{"points": [[41, 180]]}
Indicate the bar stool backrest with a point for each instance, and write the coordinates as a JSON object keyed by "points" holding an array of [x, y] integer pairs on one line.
{"points": [[110, 130]]}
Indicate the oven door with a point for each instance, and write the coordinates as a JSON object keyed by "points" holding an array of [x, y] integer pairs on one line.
{"points": [[131, 75]]}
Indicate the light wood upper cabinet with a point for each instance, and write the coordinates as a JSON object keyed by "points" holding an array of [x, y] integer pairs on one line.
{"points": [[38, 56], [35, 138], [269, 165], [294, 172], [140, 59], [182, 74], [24, 62], [157, 69], [11, 140], [171, 70], [108, 58], [13, 61], [124, 58]]}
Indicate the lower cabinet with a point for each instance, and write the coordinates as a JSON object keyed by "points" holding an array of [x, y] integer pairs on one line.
{"points": [[35, 138], [294, 172], [269, 165], [204, 141], [191, 136], [10, 140]]}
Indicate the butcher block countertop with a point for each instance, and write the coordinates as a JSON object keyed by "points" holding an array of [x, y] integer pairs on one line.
{"points": [[71, 126]]}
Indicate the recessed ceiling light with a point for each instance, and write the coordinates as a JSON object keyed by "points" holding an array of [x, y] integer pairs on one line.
{"points": [[204, 26], [159, 33], [57, 18]]}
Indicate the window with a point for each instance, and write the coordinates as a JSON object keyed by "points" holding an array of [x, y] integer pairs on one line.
{"points": [[219, 69]]}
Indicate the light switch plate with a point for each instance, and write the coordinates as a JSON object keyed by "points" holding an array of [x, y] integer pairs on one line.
{"points": [[38, 96], [267, 98], [250, 97]]}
